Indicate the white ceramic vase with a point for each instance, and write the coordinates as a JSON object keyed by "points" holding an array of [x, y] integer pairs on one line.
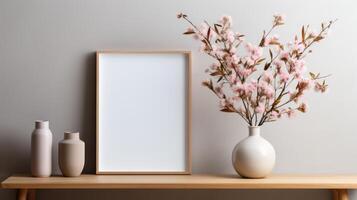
{"points": [[71, 154], [253, 157], [41, 149]]}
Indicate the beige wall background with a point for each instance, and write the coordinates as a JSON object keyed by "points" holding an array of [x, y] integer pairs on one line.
{"points": [[47, 71]]}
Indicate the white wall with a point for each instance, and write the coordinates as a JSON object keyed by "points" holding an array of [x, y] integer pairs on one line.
{"points": [[47, 71]]}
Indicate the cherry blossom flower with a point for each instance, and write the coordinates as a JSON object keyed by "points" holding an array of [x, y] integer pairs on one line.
{"points": [[179, 15], [290, 113], [234, 59], [203, 28], [232, 50], [272, 40], [320, 87], [279, 19], [247, 60], [239, 37], [223, 103], [190, 29], [230, 36], [260, 108], [303, 107], [268, 77], [278, 64], [226, 20], [274, 114], [243, 72], [284, 76], [304, 84], [254, 51], [204, 48], [298, 47], [299, 68], [233, 77], [285, 56], [265, 89]]}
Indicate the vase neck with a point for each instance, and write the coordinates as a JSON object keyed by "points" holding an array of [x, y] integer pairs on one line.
{"points": [[254, 130], [39, 124], [71, 135]]}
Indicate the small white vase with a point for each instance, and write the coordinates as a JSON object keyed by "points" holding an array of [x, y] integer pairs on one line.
{"points": [[253, 157], [41, 150], [71, 154]]}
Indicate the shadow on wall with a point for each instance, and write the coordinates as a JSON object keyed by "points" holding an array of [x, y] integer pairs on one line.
{"points": [[14, 158], [88, 125]]}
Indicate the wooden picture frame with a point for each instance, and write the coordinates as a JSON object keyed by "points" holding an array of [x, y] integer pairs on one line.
{"points": [[168, 63]]}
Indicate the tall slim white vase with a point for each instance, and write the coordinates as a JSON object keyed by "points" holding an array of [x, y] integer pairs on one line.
{"points": [[41, 149]]}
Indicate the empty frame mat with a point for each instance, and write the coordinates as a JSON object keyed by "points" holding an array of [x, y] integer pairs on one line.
{"points": [[143, 112]]}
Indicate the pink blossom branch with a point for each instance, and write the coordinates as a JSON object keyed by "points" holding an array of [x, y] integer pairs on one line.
{"points": [[259, 100]]}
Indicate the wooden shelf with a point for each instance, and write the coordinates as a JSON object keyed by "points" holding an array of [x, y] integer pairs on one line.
{"points": [[26, 185], [182, 182]]}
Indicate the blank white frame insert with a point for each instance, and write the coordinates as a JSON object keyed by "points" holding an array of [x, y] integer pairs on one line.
{"points": [[143, 112]]}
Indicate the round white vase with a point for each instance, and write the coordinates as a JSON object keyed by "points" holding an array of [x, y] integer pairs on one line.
{"points": [[71, 154], [253, 157], [41, 149]]}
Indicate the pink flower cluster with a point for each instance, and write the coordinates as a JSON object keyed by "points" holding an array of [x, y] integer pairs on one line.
{"points": [[265, 81]]}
